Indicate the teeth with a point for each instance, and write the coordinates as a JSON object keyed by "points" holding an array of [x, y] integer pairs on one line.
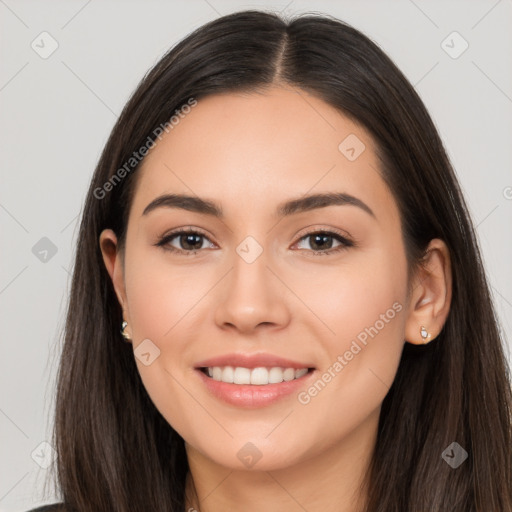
{"points": [[228, 374], [241, 376], [301, 372], [256, 376]]}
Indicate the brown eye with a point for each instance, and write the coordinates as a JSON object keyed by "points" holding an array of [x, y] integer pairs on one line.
{"points": [[186, 242], [322, 242], [190, 241]]}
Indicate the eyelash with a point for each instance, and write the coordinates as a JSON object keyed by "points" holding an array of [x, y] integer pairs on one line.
{"points": [[345, 242]]}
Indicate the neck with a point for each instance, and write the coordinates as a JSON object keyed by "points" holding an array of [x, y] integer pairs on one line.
{"points": [[331, 481]]}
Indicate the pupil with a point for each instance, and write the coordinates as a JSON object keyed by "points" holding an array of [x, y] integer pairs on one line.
{"points": [[188, 240], [323, 240]]}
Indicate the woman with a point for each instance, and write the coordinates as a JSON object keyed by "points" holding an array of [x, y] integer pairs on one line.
{"points": [[277, 232]]}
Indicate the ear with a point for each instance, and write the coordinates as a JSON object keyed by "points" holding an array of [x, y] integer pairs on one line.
{"points": [[431, 294], [114, 263]]}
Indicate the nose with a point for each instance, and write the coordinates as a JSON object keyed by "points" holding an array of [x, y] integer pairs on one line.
{"points": [[252, 298]]}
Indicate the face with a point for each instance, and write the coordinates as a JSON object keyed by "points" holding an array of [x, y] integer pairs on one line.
{"points": [[320, 284]]}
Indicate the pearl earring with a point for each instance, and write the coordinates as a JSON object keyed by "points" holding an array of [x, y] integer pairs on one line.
{"points": [[425, 335], [125, 334]]}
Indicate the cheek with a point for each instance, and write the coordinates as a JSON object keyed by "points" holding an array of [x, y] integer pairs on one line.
{"points": [[363, 306], [365, 289], [161, 298], [160, 294]]}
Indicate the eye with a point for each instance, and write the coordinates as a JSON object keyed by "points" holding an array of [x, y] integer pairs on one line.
{"points": [[321, 242], [191, 241]]}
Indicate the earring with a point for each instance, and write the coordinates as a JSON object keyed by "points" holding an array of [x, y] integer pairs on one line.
{"points": [[125, 334], [425, 335]]}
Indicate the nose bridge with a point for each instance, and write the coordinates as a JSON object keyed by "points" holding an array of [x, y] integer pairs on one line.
{"points": [[250, 284], [251, 294]]}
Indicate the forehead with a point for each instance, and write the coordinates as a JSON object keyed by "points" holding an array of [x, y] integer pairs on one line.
{"points": [[253, 150]]}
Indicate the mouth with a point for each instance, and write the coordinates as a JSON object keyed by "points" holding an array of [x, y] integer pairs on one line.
{"points": [[259, 376], [252, 388], [252, 380]]}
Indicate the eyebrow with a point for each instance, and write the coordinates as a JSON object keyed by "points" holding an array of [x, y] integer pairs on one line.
{"points": [[291, 207]]}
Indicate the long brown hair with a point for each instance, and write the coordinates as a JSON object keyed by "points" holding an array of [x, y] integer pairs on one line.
{"points": [[115, 452]]}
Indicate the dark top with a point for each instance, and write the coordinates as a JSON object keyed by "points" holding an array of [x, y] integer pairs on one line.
{"points": [[54, 507]]}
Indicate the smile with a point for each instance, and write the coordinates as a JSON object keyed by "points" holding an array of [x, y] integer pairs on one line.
{"points": [[252, 388], [259, 376]]}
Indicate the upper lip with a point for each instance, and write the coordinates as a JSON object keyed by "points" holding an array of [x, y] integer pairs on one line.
{"points": [[252, 361]]}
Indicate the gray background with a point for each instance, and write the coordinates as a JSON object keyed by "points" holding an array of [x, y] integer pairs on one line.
{"points": [[57, 112]]}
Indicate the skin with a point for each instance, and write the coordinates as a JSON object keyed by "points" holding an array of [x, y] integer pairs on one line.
{"points": [[250, 152]]}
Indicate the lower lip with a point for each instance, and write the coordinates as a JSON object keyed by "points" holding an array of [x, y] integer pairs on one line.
{"points": [[252, 396]]}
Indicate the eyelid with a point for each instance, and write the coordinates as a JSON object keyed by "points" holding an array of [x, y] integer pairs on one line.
{"points": [[318, 229], [186, 229]]}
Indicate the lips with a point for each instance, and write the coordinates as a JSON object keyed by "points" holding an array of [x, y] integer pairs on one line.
{"points": [[249, 396], [255, 394], [253, 361]]}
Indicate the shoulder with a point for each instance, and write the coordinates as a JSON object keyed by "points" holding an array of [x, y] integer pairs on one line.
{"points": [[54, 507]]}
